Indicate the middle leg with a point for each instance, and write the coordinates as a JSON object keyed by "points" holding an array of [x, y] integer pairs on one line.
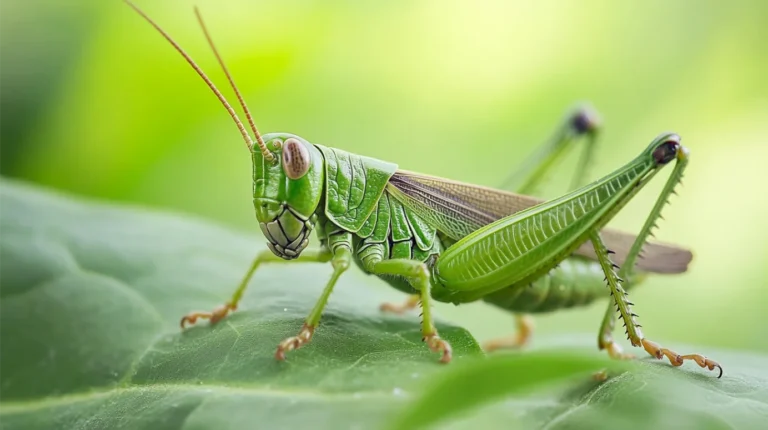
{"points": [[524, 325], [418, 275]]}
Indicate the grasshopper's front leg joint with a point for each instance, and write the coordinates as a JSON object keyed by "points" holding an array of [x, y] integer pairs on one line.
{"points": [[222, 311], [676, 359]]}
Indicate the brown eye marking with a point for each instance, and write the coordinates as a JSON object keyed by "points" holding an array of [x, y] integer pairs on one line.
{"points": [[295, 158]]}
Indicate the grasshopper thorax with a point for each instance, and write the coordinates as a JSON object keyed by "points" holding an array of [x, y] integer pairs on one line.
{"points": [[287, 192]]}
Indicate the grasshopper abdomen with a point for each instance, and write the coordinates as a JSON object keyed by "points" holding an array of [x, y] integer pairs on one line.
{"points": [[576, 281]]}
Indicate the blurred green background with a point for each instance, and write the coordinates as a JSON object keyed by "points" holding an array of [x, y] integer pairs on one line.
{"points": [[96, 103]]}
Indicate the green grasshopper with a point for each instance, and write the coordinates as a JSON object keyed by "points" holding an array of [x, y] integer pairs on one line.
{"points": [[449, 241]]}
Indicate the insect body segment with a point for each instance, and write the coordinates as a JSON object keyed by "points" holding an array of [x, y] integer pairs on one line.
{"points": [[285, 208], [354, 185], [576, 281]]}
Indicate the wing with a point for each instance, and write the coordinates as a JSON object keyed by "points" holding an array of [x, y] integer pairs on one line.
{"points": [[657, 257], [458, 208]]}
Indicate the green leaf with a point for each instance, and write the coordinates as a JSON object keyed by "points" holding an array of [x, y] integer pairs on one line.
{"points": [[494, 379], [640, 394], [91, 297]]}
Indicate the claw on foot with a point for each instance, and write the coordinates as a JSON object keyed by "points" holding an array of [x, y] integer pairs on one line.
{"points": [[512, 342], [436, 344], [676, 359], [600, 376], [411, 303], [615, 352], [214, 316], [294, 342]]}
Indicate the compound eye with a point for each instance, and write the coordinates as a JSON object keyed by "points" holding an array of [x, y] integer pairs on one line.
{"points": [[666, 152], [295, 158]]}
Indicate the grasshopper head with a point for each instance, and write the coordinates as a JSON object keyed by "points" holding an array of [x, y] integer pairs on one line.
{"points": [[287, 170], [287, 192]]}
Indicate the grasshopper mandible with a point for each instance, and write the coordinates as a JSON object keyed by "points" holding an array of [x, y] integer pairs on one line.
{"points": [[450, 241]]}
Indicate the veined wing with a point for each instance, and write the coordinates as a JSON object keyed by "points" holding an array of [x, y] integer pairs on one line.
{"points": [[458, 208], [657, 257]]}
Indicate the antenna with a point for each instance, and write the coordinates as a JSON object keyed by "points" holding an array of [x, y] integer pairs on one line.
{"points": [[268, 155], [243, 132]]}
